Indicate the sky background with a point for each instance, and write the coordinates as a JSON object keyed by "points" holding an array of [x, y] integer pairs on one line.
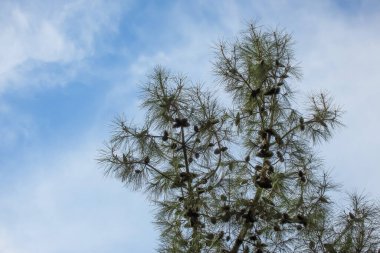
{"points": [[68, 68]]}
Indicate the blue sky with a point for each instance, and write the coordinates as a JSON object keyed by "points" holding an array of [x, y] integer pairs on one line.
{"points": [[67, 68]]}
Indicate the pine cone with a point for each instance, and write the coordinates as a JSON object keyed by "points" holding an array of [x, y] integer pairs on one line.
{"points": [[264, 153], [255, 92], [272, 91]]}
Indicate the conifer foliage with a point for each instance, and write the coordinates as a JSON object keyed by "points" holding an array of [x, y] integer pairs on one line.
{"points": [[239, 177]]}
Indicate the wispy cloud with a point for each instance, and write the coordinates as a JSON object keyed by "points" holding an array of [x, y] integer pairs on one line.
{"points": [[60, 32], [46, 44], [62, 203]]}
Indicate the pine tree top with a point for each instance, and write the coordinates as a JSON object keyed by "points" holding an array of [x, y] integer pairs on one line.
{"points": [[242, 177]]}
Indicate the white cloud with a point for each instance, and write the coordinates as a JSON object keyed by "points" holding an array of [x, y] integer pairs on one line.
{"points": [[45, 44], [26, 37], [50, 32]]}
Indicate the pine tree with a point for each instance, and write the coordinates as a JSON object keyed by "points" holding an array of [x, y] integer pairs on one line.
{"points": [[244, 176]]}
